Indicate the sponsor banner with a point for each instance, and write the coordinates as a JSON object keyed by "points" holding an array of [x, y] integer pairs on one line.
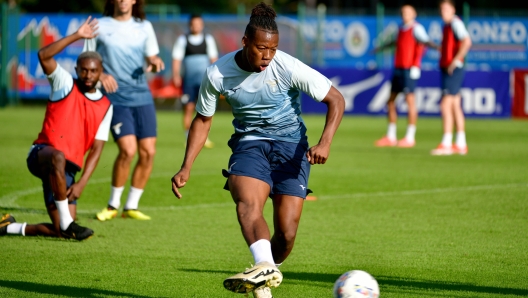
{"points": [[349, 41], [484, 93], [520, 93]]}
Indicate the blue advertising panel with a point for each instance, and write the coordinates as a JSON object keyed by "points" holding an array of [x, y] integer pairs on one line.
{"points": [[349, 41], [484, 93]]}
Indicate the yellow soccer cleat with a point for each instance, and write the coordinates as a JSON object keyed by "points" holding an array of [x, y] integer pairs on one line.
{"points": [[135, 214], [208, 144], [106, 214], [262, 274]]}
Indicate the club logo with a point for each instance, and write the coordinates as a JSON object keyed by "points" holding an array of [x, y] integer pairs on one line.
{"points": [[356, 39]]}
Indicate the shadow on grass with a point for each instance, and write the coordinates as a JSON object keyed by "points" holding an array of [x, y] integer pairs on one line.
{"points": [[391, 281], [62, 290]]}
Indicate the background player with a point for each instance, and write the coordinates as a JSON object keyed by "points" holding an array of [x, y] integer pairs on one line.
{"points": [[196, 51], [409, 43], [455, 45], [77, 120], [271, 156], [125, 41]]}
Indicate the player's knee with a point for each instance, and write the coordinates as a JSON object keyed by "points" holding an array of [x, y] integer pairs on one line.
{"points": [[147, 154], [286, 238], [58, 160], [127, 154], [248, 210]]}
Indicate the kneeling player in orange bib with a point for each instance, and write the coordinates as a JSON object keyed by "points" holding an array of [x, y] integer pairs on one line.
{"points": [[77, 121]]}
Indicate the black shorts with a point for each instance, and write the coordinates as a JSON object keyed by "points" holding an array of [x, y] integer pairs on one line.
{"points": [[34, 168], [402, 82]]}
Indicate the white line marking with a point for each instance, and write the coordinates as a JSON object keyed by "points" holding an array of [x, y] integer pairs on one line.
{"points": [[10, 198]]}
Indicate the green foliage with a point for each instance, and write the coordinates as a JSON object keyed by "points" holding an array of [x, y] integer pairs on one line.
{"points": [[424, 226]]}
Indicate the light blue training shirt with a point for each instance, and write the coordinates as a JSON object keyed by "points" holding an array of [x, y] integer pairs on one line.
{"points": [[266, 105], [123, 45]]}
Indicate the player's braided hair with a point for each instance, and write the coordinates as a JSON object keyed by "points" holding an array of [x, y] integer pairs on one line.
{"points": [[89, 55], [138, 12], [262, 18]]}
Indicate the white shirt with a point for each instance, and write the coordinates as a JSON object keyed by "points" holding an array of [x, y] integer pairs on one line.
{"points": [[61, 83], [178, 51]]}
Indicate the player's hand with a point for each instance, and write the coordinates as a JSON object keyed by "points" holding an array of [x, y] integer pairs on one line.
{"points": [[177, 80], [155, 64], [88, 28], [178, 181], [318, 154], [74, 192], [109, 83], [451, 68]]}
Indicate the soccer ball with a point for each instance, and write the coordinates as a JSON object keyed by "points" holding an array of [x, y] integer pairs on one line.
{"points": [[356, 284]]}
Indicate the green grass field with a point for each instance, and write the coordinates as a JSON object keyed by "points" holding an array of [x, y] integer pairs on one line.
{"points": [[423, 226]]}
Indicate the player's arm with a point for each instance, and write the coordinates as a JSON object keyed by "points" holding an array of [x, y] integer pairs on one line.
{"points": [[198, 133], [154, 62], [176, 76], [75, 191], [335, 103], [46, 54], [178, 53], [465, 45], [200, 126]]}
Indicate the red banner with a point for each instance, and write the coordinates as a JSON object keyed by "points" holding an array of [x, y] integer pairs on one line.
{"points": [[520, 93]]}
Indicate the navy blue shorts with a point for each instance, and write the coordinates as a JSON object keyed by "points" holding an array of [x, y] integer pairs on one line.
{"points": [[402, 82], [451, 84], [139, 121], [191, 87], [34, 168], [282, 165]]}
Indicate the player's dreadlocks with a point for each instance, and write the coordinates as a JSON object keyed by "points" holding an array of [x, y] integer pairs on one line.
{"points": [[138, 12], [262, 18]]}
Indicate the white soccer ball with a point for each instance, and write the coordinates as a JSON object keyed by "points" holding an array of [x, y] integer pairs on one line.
{"points": [[356, 284]]}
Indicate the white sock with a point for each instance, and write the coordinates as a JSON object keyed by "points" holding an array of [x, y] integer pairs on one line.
{"points": [[133, 198], [447, 139], [411, 131], [391, 131], [461, 139], [115, 196], [64, 214], [261, 251], [17, 228]]}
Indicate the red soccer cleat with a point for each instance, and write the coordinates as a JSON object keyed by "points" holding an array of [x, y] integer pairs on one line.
{"points": [[385, 142], [404, 143], [442, 150]]}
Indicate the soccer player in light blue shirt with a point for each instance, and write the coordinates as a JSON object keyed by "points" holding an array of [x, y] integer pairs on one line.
{"points": [[271, 156], [125, 41]]}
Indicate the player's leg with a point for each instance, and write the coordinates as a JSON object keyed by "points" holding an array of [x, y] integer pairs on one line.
{"points": [[250, 195], [249, 183], [412, 116], [124, 134], [49, 164], [460, 146], [390, 138], [446, 110], [286, 216], [460, 141], [146, 130]]}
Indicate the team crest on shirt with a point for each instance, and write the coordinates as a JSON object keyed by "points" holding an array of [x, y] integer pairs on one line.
{"points": [[273, 85]]}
